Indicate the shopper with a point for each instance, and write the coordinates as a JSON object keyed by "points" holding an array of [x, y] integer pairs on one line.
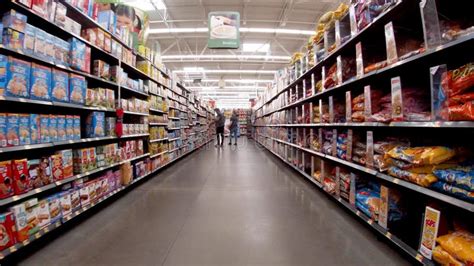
{"points": [[220, 123], [234, 127]]}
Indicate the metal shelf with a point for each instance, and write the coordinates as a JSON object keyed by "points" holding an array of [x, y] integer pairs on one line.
{"points": [[135, 136], [158, 111], [158, 154], [137, 92], [433, 124], [158, 124], [135, 113], [158, 140]]}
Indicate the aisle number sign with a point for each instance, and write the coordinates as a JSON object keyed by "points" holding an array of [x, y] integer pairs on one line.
{"points": [[430, 232], [224, 30]]}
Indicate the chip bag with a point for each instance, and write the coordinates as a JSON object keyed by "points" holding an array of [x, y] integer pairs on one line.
{"points": [[459, 80], [462, 177], [444, 258], [422, 155], [460, 245], [424, 180]]}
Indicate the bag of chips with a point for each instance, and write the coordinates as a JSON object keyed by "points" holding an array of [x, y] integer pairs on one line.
{"points": [[462, 177], [422, 155], [460, 245], [444, 258], [453, 190], [424, 180]]}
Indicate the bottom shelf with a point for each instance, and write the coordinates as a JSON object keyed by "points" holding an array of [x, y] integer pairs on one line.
{"points": [[63, 220], [374, 225]]}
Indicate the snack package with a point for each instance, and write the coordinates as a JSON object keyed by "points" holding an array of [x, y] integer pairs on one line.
{"points": [[459, 80], [77, 89], [6, 180], [67, 163], [77, 127], [462, 177], [95, 125], [18, 78], [54, 208], [40, 82], [444, 258], [424, 180], [61, 129], [92, 156], [43, 214], [422, 155], [49, 48], [29, 39], [70, 127], [40, 7], [14, 20], [60, 15], [21, 177], [44, 128], [84, 196], [7, 223], [81, 161], [13, 130], [34, 130], [53, 128], [66, 205], [460, 245], [22, 223], [3, 130], [101, 69], [57, 166], [454, 190]]}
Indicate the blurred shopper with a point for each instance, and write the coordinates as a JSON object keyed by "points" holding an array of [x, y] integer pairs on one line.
{"points": [[220, 123], [234, 127]]}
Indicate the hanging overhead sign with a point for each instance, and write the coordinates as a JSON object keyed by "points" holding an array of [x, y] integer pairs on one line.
{"points": [[224, 30]]}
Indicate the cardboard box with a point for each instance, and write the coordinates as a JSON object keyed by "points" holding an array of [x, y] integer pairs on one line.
{"points": [[81, 161], [84, 196], [65, 201], [21, 221], [34, 171], [3, 130], [67, 163], [40, 82], [53, 128], [26, 3], [24, 129], [44, 128], [101, 69], [21, 176], [60, 15], [35, 137], [70, 127], [62, 136], [14, 20], [18, 78], [7, 223], [61, 52], [77, 89], [13, 130], [3, 73], [78, 55], [6, 180], [29, 39], [49, 48], [54, 208], [92, 156], [95, 125], [40, 43], [75, 200], [57, 166], [13, 39], [43, 214], [77, 127], [40, 7]]}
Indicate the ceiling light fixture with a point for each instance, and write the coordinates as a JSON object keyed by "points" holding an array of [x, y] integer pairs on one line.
{"points": [[226, 88], [251, 30]]}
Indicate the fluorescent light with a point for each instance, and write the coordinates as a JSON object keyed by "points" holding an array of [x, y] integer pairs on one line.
{"points": [[237, 57], [235, 80], [146, 5], [224, 71], [256, 47], [252, 30]]}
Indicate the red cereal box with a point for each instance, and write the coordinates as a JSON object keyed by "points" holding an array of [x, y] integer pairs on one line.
{"points": [[21, 176], [57, 167], [7, 230], [6, 180]]}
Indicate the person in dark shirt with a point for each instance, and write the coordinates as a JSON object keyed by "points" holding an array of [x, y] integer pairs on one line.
{"points": [[234, 127], [220, 123]]}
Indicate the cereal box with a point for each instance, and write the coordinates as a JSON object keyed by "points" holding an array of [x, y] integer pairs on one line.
{"points": [[57, 166], [33, 171], [72, 26], [35, 129], [77, 127], [84, 196], [44, 129], [18, 78], [14, 20], [106, 19], [3, 130], [44, 172], [110, 123], [110, 96], [101, 69], [104, 184], [26, 3], [90, 35], [81, 161], [54, 208], [98, 188], [40, 42], [31, 208], [61, 52], [13, 130], [70, 127], [67, 160], [6, 180], [95, 125], [7, 223], [61, 128], [21, 177], [92, 156], [102, 97], [40, 7], [21, 221], [24, 129], [13, 39], [40, 82], [107, 42], [29, 42], [91, 189], [65, 202], [53, 128], [60, 85], [75, 200], [90, 97], [3, 73], [115, 73], [100, 37], [60, 15], [79, 56], [77, 89], [43, 214], [49, 48]]}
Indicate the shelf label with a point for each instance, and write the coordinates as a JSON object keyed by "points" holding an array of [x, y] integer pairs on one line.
{"points": [[334, 142], [384, 207], [397, 100], [359, 61], [349, 145], [353, 21], [367, 102], [339, 70], [348, 107], [429, 232], [430, 21], [390, 44], [338, 183], [370, 149], [331, 109]]}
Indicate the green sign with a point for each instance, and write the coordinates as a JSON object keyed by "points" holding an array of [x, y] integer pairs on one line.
{"points": [[224, 30]]}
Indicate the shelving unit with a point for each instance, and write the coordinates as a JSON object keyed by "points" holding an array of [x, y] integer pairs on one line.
{"points": [[310, 119]]}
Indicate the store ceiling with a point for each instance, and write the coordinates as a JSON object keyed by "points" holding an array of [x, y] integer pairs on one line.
{"points": [[260, 14]]}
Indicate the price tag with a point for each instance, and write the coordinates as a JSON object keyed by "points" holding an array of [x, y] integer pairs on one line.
{"points": [[359, 61], [370, 149], [12, 249], [370, 221], [348, 107], [339, 70], [46, 230], [383, 211], [26, 242], [331, 109], [397, 100], [367, 102], [390, 44], [334, 142], [429, 232], [37, 235], [349, 145]]}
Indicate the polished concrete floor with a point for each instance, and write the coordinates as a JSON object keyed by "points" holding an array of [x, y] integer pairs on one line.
{"points": [[226, 206]]}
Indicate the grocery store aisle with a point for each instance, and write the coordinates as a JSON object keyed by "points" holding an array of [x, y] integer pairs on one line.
{"points": [[229, 206]]}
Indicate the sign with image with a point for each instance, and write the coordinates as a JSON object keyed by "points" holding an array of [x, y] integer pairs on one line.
{"points": [[224, 30]]}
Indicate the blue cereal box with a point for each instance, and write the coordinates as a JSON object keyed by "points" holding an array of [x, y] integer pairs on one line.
{"points": [[18, 78], [106, 19], [95, 125], [54, 208], [35, 129], [44, 128], [13, 134], [77, 127], [49, 48], [60, 86], [24, 129], [77, 89], [62, 128], [69, 127], [40, 82], [29, 42], [77, 54], [14, 20], [3, 130], [40, 43], [61, 52], [13, 39], [3, 73], [53, 128]]}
